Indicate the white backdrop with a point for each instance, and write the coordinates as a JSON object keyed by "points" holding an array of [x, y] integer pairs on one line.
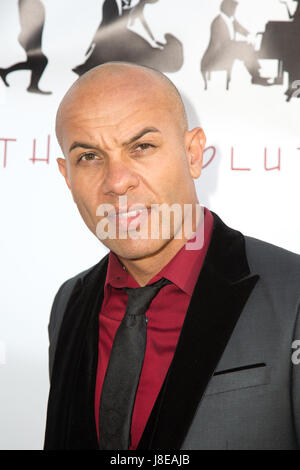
{"points": [[43, 239]]}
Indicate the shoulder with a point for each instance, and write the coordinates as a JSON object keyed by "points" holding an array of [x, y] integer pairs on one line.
{"points": [[218, 19], [59, 306], [67, 287], [64, 293], [272, 262], [267, 255]]}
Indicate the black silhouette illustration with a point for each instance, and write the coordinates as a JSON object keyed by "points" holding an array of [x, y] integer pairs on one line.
{"points": [[281, 41], [114, 41], [32, 19], [223, 48]]}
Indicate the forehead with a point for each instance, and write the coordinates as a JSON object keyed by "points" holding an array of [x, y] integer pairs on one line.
{"points": [[115, 112]]}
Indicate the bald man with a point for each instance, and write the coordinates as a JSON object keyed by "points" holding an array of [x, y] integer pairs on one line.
{"points": [[216, 369]]}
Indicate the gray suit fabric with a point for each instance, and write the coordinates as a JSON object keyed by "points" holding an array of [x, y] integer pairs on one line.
{"points": [[253, 399]]}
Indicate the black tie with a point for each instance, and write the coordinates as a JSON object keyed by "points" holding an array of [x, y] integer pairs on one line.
{"points": [[124, 369]]}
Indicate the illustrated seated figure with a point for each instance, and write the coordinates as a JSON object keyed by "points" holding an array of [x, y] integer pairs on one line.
{"points": [[223, 48]]}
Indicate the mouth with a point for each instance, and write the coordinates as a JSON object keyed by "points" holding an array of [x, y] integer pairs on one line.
{"points": [[129, 219]]}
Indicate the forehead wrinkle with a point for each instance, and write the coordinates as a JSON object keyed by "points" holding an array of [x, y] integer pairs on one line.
{"points": [[126, 126], [98, 139]]}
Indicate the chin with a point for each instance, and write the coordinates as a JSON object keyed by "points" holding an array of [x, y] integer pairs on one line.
{"points": [[135, 249]]}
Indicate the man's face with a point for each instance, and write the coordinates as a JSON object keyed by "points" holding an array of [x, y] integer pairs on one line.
{"points": [[126, 141]]}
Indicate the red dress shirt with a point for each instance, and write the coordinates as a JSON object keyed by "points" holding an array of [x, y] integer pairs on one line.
{"points": [[165, 319]]}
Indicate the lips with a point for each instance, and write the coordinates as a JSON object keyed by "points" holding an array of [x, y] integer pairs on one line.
{"points": [[130, 211], [124, 217]]}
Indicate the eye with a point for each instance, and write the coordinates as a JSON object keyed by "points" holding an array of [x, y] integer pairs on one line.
{"points": [[144, 146], [89, 156]]}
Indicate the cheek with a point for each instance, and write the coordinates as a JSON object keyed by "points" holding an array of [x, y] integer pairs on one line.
{"points": [[172, 172], [83, 187]]}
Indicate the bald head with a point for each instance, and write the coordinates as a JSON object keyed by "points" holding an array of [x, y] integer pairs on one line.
{"points": [[123, 131], [121, 79]]}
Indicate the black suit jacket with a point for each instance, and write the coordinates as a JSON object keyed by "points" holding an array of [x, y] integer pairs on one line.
{"points": [[231, 383]]}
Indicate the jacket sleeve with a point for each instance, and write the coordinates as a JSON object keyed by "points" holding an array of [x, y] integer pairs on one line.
{"points": [[56, 317], [295, 377]]}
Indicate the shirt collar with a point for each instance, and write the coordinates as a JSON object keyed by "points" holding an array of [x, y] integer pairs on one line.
{"points": [[182, 270], [229, 19]]}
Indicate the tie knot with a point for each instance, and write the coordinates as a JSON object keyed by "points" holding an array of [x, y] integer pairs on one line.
{"points": [[139, 298]]}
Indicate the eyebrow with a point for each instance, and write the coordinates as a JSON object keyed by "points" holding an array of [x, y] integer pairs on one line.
{"points": [[146, 130], [143, 132]]}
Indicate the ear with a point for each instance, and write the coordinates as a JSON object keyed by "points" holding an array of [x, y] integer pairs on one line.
{"points": [[195, 144], [62, 166]]}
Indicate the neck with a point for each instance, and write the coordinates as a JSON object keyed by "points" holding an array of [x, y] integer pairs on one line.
{"points": [[144, 269]]}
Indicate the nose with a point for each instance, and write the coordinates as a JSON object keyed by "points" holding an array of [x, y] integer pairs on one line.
{"points": [[119, 178]]}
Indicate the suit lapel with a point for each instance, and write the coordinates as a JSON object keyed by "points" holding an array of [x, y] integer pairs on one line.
{"points": [[222, 290]]}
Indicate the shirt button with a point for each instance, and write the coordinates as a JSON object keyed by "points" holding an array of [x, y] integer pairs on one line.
{"points": [[147, 320]]}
